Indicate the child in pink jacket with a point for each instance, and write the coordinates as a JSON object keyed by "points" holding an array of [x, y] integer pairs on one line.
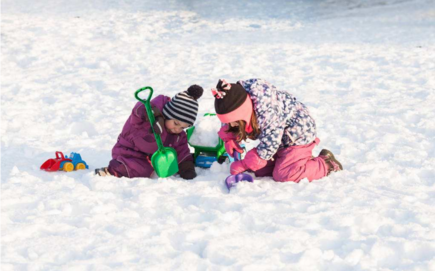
{"points": [[136, 144], [255, 109]]}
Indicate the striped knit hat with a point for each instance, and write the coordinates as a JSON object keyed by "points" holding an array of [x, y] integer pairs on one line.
{"points": [[184, 105]]}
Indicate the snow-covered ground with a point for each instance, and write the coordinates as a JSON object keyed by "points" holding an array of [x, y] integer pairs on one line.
{"points": [[366, 70]]}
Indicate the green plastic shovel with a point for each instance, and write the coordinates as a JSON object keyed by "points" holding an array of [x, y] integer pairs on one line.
{"points": [[164, 160]]}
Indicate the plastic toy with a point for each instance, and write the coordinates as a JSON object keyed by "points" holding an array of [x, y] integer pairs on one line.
{"points": [[232, 180], [164, 160], [205, 156], [74, 162]]}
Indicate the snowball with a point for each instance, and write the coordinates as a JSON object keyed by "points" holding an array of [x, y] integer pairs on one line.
{"points": [[205, 133]]}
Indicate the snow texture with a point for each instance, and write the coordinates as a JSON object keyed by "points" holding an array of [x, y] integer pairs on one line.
{"points": [[205, 133], [365, 69]]}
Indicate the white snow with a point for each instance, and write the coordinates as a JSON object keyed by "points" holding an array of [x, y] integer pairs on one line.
{"points": [[205, 133], [365, 69]]}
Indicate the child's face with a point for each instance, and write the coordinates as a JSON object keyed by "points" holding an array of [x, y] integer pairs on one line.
{"points": [[175, 126]]}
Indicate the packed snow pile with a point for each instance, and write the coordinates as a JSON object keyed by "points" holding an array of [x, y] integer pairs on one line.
{"points": [[205, 133]]}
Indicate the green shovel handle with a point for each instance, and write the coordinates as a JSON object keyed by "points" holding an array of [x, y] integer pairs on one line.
{"points": [[150, 113]]}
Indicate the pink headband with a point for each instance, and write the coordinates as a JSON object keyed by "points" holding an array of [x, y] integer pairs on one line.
{"points": [[243, 112]]}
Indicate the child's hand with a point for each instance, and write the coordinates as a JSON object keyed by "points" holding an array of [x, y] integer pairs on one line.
{"points": [[252, 162], [231, 146], [186, 169], [237, 167]]}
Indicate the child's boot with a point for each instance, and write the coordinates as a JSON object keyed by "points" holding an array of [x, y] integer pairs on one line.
{"points": [[333, 164], [104, 171]]}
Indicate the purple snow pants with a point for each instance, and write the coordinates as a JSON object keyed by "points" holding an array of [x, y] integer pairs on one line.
{"points": [[130, 167], [294, 163]]}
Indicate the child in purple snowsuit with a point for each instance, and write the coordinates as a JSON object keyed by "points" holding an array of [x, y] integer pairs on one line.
{"points": [[136, 144], [255, 109]]}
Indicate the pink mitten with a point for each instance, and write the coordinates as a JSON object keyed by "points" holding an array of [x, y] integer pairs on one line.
{"points": [[237, 167], [252, 161], [230, 141], [231, 146]]}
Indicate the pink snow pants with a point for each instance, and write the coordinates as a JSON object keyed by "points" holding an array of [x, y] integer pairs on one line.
{"points": [[294, 163]]}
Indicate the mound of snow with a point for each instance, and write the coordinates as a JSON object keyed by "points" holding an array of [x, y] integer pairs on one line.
{"points": [[205, 133]]}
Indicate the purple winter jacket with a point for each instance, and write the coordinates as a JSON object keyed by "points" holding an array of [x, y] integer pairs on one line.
{"points": [[137, 141]]}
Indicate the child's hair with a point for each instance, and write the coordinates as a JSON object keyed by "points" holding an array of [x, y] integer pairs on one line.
{"points": [[240, 130]]}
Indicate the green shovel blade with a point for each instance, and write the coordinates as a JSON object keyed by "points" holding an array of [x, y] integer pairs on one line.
{"points": [[165, 162]]}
